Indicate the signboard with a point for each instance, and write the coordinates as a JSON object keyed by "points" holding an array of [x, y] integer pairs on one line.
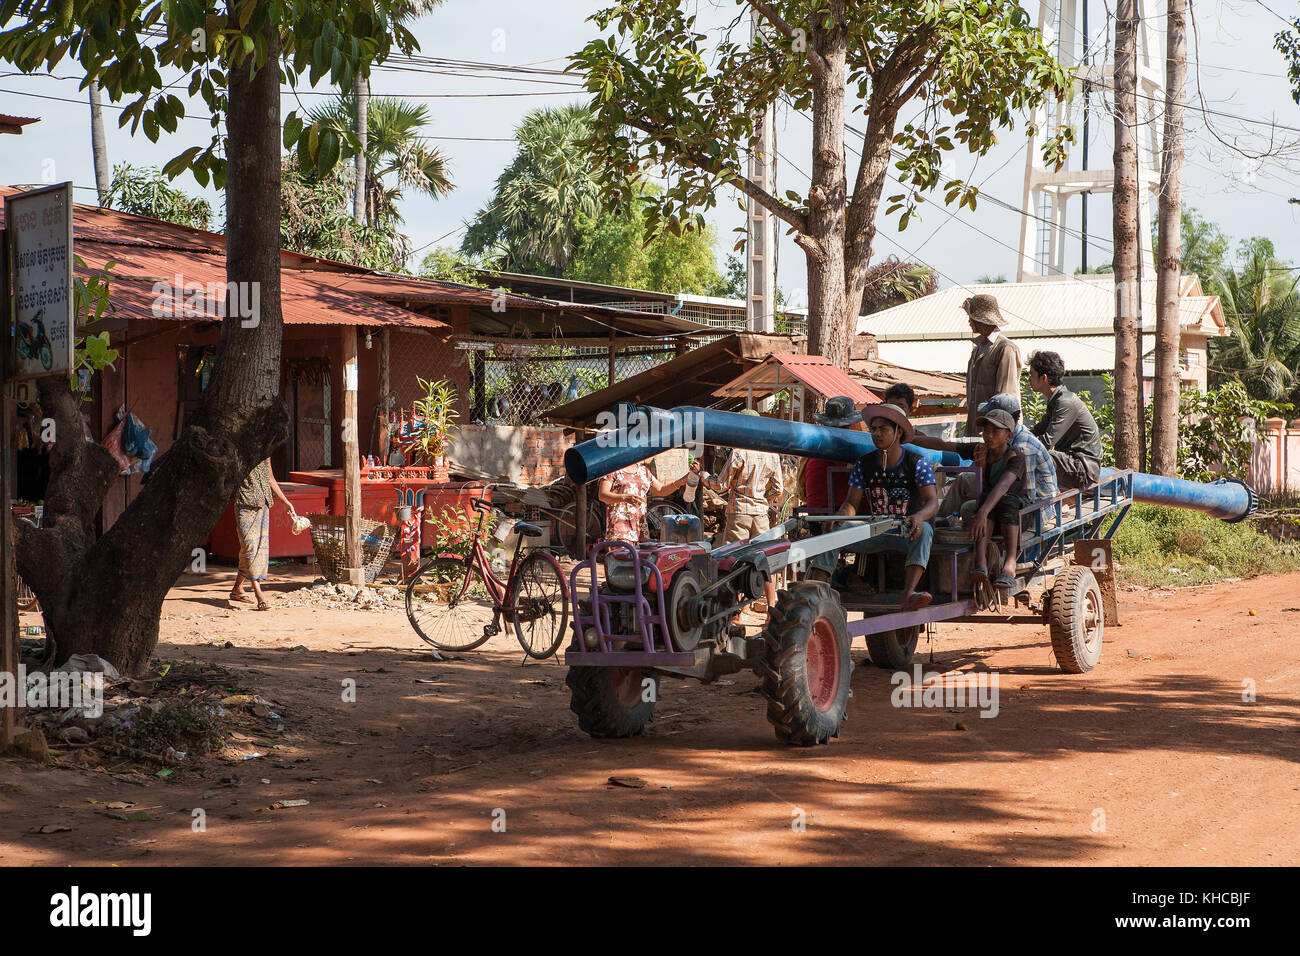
{"points": [[39, 311]]}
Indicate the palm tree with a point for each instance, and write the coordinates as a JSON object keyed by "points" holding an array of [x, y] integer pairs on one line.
{"points": [[1261, 304], [531, 224], [97, 148], [405, 10], [396, 155]]}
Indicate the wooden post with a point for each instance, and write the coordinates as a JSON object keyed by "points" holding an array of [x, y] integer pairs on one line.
{"points": [[479, 390], [385, 374], [353, 571], [580, 521], [613, 355]]}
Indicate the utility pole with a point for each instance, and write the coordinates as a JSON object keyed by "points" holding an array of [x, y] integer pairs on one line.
{"points": [[760, 249], [1164, 428], [1128, 357]]}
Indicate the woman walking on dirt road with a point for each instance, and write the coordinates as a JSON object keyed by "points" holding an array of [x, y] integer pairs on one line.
{"points": [[253, 502]]}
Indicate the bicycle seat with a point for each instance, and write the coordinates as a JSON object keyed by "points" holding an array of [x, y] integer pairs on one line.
{"points": [[527, 530]]}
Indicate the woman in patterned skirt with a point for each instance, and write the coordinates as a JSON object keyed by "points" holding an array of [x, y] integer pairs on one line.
{"points": [[253, 522]]}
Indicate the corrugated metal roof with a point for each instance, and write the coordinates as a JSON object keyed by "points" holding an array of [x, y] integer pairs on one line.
{"points": [[15, 124], [304, 298], [1086, 353], [815, 371], [880, 374], [1078, 305]]}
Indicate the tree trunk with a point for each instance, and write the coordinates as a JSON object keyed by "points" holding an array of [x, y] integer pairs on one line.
{"points": [[828, 300], [1164, 430], [105, 596], [361, 97], [1128, 364], [97, 147]]}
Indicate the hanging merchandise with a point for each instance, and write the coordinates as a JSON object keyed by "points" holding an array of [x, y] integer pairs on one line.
{"points": [[136, 442], [113, 442]]}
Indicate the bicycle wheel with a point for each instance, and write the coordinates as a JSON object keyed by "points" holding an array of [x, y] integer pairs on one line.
{"points": [[449, 605], [541, 595]]}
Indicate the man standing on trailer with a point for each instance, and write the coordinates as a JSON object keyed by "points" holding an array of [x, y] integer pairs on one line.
{"points": [[994, 362]]}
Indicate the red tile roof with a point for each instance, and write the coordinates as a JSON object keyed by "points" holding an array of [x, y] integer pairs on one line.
{"points": [[825, 377], [15, 124]]}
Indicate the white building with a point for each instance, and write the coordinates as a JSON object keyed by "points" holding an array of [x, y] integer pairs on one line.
{"points": [[1073, 316]]}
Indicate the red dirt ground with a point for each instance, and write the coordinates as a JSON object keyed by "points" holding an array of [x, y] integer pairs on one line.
{"points": [[1157, 739]]}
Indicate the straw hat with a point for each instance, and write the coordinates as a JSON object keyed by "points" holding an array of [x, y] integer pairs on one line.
{"points": [[983, 308], [894, 414]]}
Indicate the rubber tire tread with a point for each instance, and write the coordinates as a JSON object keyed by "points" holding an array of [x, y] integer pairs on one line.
{"points": [[782, 670], [600, 712], [1065, 620], [889, 652]]}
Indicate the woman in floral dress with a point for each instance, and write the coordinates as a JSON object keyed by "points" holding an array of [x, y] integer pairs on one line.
{"points": [[626, 494]]}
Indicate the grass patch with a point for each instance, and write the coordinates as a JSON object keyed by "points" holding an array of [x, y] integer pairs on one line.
{"points": [[1160, 547]]}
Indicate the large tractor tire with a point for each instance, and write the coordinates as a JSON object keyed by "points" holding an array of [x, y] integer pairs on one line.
{"points": [[1076, 620], [806, 665], [611, 701], [893, 650]]}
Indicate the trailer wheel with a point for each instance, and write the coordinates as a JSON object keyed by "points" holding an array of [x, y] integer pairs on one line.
{"points": [[893, 650], [806, 665], [612, 701], [1075, 620]]}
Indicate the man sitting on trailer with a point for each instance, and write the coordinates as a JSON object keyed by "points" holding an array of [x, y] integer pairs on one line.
{"points": [[1041, 472], [1005, 479], [1067, 429], [891, 481], [818, 492]]}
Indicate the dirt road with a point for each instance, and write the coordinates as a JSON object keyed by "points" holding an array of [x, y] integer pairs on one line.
{"points": [[1154, 758]]}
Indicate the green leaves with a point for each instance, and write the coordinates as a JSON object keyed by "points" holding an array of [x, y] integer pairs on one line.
{"points": [[122, 45]]}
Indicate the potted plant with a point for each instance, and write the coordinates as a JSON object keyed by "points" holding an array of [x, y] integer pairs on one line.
{"points": [[436, 410]]}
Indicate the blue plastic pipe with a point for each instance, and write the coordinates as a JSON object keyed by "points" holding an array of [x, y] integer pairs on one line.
{"points": [[647, 431], [1226, 498]]}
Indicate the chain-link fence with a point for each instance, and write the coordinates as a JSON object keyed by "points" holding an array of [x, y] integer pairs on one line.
{"points": [[521, 383]]}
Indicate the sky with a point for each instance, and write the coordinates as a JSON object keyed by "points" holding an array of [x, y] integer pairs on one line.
{"points": [[1239, 75]]}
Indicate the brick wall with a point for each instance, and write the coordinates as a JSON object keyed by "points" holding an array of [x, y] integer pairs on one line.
{"points": [[525, 454]]}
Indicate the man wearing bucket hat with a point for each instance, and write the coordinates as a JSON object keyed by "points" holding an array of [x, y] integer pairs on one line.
{"points": [[892, 481], [817, 491], [994, 362]]}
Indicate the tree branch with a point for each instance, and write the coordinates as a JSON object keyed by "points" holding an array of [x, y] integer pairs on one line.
{"points": [[815, 60], [761, 196]]}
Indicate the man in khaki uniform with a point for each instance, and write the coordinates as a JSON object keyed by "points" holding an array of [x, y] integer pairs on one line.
{"points": [[749, 481], [994, 366]]}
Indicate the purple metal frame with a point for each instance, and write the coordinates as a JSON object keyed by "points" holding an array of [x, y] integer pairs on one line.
{"points": [[601, 618]]}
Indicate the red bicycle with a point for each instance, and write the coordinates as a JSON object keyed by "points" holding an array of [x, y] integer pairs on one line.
{"points": [[456, 602]]}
